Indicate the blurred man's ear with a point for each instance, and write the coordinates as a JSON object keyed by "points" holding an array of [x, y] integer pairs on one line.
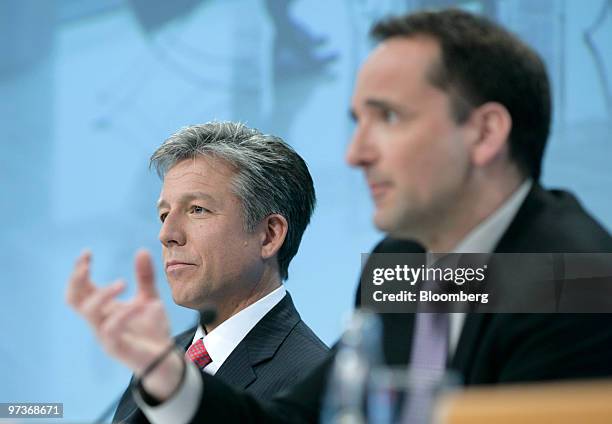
{"points": [[274, 230], [492, 123]]}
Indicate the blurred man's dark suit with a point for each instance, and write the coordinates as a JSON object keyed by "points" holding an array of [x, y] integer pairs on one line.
{"points": [[492, 349], [277, 352]]}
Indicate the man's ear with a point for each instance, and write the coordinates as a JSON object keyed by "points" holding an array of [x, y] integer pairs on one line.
{"points": [[274, 230], [492, 123]]}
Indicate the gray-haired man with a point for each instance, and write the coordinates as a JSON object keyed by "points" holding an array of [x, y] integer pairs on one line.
{"points": [[233, 208]]}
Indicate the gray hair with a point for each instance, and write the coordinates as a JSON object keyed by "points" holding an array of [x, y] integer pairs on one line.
{"points": [[271, 178]]}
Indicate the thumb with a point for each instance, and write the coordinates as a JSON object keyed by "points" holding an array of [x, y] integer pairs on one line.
{"points": [[145, 277]]}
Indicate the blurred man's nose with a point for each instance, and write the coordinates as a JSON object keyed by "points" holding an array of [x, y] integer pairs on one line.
{"points": [[361, 151]]}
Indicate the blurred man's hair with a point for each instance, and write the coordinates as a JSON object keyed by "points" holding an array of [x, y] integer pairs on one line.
{"points": [[482, 62]]}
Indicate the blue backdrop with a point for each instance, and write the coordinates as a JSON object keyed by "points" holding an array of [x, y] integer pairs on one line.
{"points": [[89, 88]]}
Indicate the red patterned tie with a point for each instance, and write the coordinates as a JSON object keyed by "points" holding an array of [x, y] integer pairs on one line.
{"points": [[198, 355]]}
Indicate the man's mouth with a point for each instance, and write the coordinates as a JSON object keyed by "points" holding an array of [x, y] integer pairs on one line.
{"points": [[177, 265], [378, 189]]}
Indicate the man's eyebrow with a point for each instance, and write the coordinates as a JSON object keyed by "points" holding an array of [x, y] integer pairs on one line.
{"points": [[161, 203], [382, 104]]}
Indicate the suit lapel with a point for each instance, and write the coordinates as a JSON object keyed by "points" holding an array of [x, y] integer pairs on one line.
{"points": [[237, 369], [259, 345], [184, 339]]}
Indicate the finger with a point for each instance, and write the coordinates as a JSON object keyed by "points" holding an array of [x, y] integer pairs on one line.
{"points": [[114, 306], [110, 307], [155, 320], [118, 324], [130, 342], [79, 284], [144, 275], [120, 338], [93, 307]]}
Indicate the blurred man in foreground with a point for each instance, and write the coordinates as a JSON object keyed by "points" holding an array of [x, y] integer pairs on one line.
{"points": [[233, 208], [452, 116]]}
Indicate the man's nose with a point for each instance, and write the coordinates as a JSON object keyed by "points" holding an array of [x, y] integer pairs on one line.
{"points": [[361, 151], [172, 231]]}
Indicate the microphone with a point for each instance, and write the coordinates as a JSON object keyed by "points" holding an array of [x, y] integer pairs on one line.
{"points": [[207, 315]]}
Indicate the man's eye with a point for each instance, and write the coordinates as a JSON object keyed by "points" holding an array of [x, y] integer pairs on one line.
{"points": [[389, 116], [162, 217], [198, 209]]}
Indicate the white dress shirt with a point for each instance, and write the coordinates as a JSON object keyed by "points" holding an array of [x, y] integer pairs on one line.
{"points": [[219, 343], [222, 341]]}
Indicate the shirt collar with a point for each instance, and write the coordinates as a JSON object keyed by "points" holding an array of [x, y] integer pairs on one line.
{"points": [[487, 234], [222, 341]]}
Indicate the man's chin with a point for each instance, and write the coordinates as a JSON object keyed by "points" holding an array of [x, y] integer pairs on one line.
{"points": [[187, 301], [394, 227], [385, 223]]}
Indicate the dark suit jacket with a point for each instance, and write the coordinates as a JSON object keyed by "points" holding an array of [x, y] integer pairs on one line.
{"points": [[493, 348], [278, 351]]}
